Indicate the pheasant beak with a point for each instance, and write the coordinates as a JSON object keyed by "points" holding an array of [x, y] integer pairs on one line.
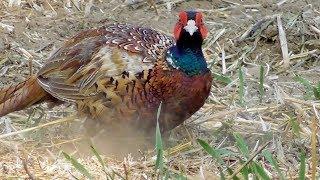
{"points": [[191, 27]]}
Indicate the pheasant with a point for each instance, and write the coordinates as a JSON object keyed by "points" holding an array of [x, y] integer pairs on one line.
{"points": [[121, 73]]}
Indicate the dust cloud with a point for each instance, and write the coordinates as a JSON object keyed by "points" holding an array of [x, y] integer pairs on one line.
{"points": [[113, 140]]}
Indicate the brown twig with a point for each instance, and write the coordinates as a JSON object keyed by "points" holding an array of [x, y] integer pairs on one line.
{"points": [[30, 67], [305, 103], [314, 155], [126, 172], [315, 29], [66, 119], [283, 43], [25, 166], [256, 29], [29, 57]]}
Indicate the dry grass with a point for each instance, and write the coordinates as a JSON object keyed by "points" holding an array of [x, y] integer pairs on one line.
{"points": [[283, 38]]}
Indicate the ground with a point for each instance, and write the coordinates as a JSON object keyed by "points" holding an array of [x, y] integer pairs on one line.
{"points": [[276, 107]]}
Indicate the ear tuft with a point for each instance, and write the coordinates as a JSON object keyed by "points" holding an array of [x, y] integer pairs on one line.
{"points": [[200, 24], [183, 17]]}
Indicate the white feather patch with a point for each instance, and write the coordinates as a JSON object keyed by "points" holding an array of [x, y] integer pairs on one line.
{"points": [[191, 27], [115, 61]]}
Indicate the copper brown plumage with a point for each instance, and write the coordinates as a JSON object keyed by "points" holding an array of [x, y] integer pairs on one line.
{"points": [[121, 73]]}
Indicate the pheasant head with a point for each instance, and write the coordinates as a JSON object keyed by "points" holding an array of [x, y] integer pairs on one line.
{"points": [[186, 54], [190, 26]]}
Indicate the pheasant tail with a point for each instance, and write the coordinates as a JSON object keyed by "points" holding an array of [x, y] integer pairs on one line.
{"points": [[20, 96]]}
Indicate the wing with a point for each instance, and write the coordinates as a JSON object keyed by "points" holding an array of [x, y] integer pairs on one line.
{"points": [[109, 52]]}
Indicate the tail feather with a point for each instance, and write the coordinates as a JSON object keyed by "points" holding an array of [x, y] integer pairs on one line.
{"points": [[8, 92], [20, 96]]}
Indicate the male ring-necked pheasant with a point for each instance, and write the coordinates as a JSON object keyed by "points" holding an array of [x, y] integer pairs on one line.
{"points": [[121, 73]]}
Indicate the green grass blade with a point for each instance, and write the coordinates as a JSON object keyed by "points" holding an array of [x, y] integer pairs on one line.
{"points": [[273, 162], [316, 91], [307, 85], [77, 165], [179, 176], [224, 152], [259, 171], [261, 82], [241, 86], [159, 111], [95, 152], [302, 171], [159, 145], [159, 149], [222, 78], [167, 175], [231, 172], [242, 145], [295, 126], [213, 152], [222, 176], [245, 171], [216, 155]]}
